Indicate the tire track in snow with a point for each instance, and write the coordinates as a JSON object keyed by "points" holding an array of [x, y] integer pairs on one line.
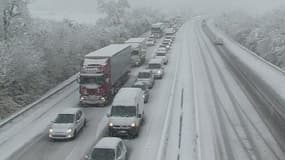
{"points": [[244, 118]]}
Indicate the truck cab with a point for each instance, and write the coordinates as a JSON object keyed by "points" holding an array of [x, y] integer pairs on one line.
{"points": [[103, 73], [138, 50], [127, 113], [94, 81]]}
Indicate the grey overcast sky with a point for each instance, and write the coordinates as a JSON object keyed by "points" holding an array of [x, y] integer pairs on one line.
{"points": [[85, 10]]}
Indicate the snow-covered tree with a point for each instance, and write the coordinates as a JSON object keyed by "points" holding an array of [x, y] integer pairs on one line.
{"points": [[114, 9]]}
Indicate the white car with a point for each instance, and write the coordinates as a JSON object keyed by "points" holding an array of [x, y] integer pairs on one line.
{"points": [[67, 124], [156, 67], [162, 50], [161, 53], [147, 77], [108, 148], [150, 42]]}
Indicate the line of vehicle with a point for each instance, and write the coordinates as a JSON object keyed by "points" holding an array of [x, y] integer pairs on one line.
{"points": [[164, 136]]}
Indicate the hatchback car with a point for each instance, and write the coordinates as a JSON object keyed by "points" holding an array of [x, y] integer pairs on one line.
{"points": [[144, 87], [67, 124], [147, 77], [109, 148]]}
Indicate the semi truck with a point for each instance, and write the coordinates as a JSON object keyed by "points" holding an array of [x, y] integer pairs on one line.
{"points": [[103, 73], [157, 30], [138, 50]]}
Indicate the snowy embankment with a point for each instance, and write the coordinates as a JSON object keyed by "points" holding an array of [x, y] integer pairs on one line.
{"points": [[263, 80]]}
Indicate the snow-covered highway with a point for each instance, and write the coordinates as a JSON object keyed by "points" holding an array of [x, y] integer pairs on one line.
{"points": [[214, 116]]}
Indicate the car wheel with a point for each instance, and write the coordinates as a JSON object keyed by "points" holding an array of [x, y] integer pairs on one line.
{"points": [[84, 124], [74, 134]]}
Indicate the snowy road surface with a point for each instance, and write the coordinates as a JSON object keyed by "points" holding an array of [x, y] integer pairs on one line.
{"points": [[213, 114]]}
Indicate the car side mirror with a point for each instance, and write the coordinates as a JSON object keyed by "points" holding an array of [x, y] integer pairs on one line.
{"points": [[139, 115], [77, 121]]}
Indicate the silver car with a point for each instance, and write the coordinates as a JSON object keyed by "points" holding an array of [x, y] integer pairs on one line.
{"points": [[147, 77], [108, 148], [67, 124]]}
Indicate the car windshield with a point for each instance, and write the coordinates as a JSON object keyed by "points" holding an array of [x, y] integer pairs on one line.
{"points": [[141, 86], [92, 80], [144, 75], [64, 118], [123, 111], [160, 54], [103, 154], [154, 66]]}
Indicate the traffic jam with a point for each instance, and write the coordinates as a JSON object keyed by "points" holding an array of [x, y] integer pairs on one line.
{"points": [[102, 80]]}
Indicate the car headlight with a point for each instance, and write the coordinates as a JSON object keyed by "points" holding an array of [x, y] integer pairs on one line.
{"points": [[82, 98], [133, 125], [143, 96], [110, 124], [159, 72], [69, 130], [50, 130], [103, 99]]}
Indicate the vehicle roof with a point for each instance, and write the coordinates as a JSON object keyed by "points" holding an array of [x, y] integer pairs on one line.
{"points": [[69, 111], [95, 61], [126, 96], [107, 51], [135, 40], [157, 25], [145, 70], [155, 60], [108, 142]]}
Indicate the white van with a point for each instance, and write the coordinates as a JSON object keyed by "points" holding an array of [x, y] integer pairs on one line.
{"points": [[127, 112]]}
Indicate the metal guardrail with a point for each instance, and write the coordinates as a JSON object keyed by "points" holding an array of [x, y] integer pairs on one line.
{"points": [[49, 94]]}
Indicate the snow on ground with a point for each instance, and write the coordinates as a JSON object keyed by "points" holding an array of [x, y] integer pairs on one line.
{"points": [[213, 116]]}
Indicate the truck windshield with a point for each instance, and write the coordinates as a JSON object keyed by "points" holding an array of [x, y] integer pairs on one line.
{"points": [[64, 118], [103, 154], [144, 75], [123, 111], [154, 66], [92, 80]]}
